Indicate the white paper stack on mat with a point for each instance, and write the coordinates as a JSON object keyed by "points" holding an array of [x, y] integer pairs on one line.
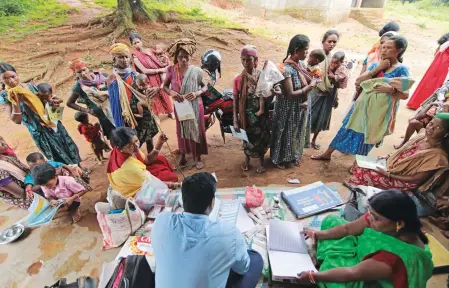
{"points": [[287, 250], [231, 211]]}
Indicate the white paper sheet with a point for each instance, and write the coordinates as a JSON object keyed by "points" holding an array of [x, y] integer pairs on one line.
{"points": [[233, 212], [184, 110], [287, 265], [369, 162], [286, 236], [239, 135]]}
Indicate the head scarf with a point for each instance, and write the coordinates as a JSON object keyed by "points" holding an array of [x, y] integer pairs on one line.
{"points": [[186, 44], [118, 48], [249, 50], [77, 63], [133, 36], [442, 116]]}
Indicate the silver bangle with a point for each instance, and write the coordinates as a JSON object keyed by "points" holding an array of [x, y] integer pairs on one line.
{"points": [[16, 113]]}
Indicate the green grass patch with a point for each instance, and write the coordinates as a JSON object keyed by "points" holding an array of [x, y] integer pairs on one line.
{"points": [[424, 10], [30, 16], [186, 9]]}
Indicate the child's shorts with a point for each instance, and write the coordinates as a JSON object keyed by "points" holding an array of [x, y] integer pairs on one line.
{"points": [[74, 206]]}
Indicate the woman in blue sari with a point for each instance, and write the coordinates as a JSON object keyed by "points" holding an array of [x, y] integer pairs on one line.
{"points": [[348, 141], [123, 96]]}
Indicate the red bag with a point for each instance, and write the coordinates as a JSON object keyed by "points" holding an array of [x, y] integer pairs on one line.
{"points": [[254, 197]]}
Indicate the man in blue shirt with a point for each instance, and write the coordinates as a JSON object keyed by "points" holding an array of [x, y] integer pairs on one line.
{"points": [[193, 251]]}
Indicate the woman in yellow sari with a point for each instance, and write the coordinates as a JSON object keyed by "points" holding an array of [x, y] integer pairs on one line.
{"points": [[127, 166]]}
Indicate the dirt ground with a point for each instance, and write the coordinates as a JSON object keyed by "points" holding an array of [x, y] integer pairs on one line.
{"points": [[51, 50]]}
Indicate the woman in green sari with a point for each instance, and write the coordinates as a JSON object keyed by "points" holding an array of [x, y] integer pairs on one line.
{"points": [[384, 248]]}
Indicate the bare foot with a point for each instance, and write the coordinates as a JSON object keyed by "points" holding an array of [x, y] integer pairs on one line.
{"points": [[199, 165], [445, 233], [315, 146], [399, 146], [245, 166], [76, 216], [171, 116], [260, 170], [297, 163], [320, 157], [440, 222], [182, 161]]}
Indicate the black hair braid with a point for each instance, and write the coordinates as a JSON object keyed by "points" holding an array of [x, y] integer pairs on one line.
{"points": [[401, 43], [297, 42]]}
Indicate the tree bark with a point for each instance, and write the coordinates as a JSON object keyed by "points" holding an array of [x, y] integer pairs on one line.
{"points": [[128, 12]]}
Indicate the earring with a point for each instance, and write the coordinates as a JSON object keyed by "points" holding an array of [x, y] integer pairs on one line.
{"points": [[397, 227]]}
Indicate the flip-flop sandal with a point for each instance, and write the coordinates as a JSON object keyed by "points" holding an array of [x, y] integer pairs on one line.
{"points": [[315, 146], [244, 167], [199, 165], [282, 167], [260, 170], [319, 158]]}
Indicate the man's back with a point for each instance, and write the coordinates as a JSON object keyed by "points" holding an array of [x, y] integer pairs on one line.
{"points": [[192, 251]]}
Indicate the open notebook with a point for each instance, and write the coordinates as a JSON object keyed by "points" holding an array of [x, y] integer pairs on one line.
{"points": [[287, 250]]}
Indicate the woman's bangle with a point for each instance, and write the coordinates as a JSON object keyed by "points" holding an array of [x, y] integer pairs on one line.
{"points": [[16, 113], [312, 277]]}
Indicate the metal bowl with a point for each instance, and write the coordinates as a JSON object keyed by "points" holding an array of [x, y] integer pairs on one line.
{"points": [[11, 234]]}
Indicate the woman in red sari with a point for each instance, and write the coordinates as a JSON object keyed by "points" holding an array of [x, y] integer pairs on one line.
{"points": [[435, 74], [148, 62]]}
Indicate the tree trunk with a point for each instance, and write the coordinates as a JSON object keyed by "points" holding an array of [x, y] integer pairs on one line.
{"points": [[128, 12]]}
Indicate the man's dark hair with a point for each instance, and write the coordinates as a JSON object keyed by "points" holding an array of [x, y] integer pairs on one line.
{"points": [[34, 157], [43, 173], [198, 191]]}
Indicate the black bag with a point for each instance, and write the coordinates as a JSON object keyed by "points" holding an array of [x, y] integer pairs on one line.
{"points": [[82, 282], [133, 272]]}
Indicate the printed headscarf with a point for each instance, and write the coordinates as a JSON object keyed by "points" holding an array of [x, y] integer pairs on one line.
{"points": [[249, 50], [186, 44], [76, 64], [118, 48], [133, 36]]}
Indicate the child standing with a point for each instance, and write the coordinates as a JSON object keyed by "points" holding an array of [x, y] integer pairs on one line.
{"points": [[92, 133], [59, 188]]}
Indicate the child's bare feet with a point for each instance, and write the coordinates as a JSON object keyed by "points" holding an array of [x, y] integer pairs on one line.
{"points": [[76, 216]]}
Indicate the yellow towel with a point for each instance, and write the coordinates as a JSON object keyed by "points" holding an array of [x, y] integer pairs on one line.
{"points": [[30, 100]]}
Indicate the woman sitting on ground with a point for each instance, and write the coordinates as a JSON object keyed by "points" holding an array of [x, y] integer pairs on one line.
{"points": [[12, 178], [384, 248], [413, 164], [127, 166]]}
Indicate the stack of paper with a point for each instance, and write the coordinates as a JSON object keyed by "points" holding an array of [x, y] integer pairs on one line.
{"points": [[231, 211], [287, 250], [371, 163]]}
